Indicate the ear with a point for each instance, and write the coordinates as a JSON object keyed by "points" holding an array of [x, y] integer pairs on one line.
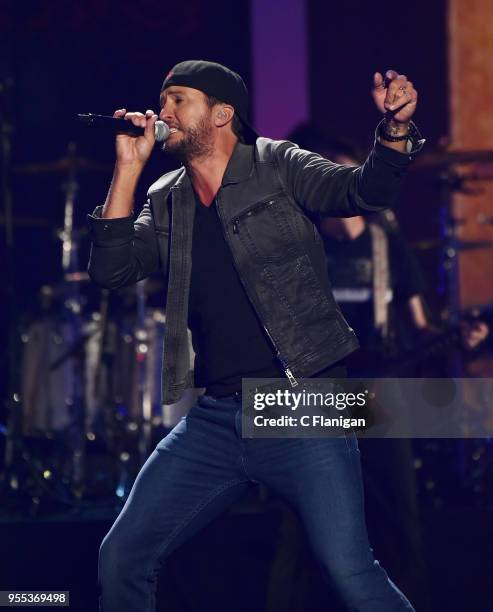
{"points": [[223, 115]]}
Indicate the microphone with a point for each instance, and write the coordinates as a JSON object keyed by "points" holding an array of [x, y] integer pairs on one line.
{"points": [[111, 125]]}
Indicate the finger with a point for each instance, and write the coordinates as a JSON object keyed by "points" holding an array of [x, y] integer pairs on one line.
{"points": [[474, 339], [149, 131], [397, 85], [119, 113], [473, 334], [479, 325], [481, 330], [378, 81], [149, 113], [399, 94], [403, 98], [405, 113], [136, 118], [390, 75], [399, 81]]}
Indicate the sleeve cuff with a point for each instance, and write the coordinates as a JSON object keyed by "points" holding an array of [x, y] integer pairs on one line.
{"points": [[395, 158], [106, 230]]}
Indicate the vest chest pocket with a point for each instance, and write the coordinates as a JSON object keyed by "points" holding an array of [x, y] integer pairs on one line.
{"points": [[267, 230]]}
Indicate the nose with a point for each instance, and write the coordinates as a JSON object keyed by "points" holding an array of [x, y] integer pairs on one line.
{"points": [[165, 114]]}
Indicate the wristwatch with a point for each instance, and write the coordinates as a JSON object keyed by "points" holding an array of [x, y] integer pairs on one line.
{"points": [[412, 133]]}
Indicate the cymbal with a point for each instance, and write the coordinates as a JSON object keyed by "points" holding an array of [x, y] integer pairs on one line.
{"points": [[460, 245], [440, 158], [76, 163]]}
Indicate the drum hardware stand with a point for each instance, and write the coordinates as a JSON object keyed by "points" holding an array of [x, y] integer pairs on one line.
{"points": [[143, 400], [144, 394], [98, 376], [9, 480], [72, 310], [119, 469], [16, 453]]}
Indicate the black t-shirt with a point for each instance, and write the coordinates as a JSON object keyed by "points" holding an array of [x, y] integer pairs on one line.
{"points": [[350, 269], [228, 339]]}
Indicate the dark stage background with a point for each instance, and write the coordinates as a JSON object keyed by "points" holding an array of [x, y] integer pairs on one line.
{"points": [[348, 42], [64, 58], [69, 58]]}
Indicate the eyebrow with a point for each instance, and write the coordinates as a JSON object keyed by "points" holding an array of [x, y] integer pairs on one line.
{"points": [[171, 92]]}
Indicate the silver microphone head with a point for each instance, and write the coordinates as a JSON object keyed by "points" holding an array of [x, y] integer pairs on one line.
{"points": [[161, 131]]}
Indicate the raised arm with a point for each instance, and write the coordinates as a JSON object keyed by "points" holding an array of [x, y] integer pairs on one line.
{"points": [[323, 187], [124, 252]]}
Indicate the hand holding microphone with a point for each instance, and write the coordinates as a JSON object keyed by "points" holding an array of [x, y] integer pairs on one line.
{"points": [[135, 132]]}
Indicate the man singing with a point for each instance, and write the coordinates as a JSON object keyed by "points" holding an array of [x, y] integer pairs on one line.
{"points": [[245, 270]]}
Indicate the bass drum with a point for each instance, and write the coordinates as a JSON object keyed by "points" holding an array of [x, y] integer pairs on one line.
{"points": [[79, 380], [65, 374], [50, 395], [137, 372]]}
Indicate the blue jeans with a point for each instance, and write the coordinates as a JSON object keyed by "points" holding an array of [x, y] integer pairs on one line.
{"points": [[202, 466]]}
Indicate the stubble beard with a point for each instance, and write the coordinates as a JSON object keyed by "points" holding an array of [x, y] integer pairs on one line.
{"points": [[195, 143]]}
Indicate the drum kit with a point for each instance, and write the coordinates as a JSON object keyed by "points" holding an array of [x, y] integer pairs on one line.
{"points": [[89, 407]]}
